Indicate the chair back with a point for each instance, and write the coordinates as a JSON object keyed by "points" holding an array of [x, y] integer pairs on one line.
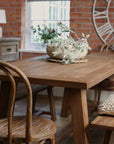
{"points": [[9, 70], [107, 84], [106, 47]]}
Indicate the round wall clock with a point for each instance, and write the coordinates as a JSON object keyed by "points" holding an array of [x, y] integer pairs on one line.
{"points": [[102, 22]]}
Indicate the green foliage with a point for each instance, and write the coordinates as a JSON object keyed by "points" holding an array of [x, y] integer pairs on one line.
{"points": [[47, 34]]}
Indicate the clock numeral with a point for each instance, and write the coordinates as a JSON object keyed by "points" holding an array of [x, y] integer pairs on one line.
{"points": [[107, 1], [100, 15], [105, 30]]}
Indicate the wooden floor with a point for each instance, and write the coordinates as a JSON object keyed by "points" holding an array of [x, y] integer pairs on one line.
{"points": [[96, 136]]}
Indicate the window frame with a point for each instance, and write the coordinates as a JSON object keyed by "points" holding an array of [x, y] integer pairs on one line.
{"points": [[28, 32]]}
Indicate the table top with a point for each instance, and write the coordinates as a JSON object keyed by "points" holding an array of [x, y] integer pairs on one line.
{"points": [[81, 75]]}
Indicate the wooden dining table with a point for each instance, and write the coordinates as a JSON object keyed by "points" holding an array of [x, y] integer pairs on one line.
{"points": [[76, 78]]}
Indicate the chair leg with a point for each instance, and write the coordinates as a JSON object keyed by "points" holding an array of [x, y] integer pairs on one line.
{"points": [[65, 111], [99, 96], [95, 96], [52, 140], [51, 103], [107, 137], [34, 102], [15, 101]]}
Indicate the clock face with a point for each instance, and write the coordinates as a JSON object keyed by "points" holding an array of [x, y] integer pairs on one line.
{"points": [[101, 21]]}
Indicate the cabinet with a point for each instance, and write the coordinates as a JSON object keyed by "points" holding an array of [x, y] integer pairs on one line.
{"points": [[9, 49]]}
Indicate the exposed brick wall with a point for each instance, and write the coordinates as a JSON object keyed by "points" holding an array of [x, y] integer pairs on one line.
{"points": [[15, 15], [80, 19]]}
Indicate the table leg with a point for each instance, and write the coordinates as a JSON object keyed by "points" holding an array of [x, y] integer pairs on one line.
{"points": [[79, 112], [4, 98], [65, 111]]}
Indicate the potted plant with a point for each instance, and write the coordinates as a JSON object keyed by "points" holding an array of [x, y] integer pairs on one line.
{"points": [[66, 48]]}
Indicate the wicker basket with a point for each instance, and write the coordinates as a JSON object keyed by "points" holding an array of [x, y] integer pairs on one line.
{"points": [[50, 49], [78, 54]]}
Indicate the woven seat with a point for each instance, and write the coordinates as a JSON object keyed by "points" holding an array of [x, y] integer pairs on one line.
{"points": [[42, 128]]}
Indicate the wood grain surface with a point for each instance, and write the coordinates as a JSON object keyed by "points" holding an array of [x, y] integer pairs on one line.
{"points": [[83, 75], [103, 122]]}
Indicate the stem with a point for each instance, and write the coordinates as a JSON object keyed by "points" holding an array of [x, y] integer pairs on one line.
{"points": [[74, 33]]}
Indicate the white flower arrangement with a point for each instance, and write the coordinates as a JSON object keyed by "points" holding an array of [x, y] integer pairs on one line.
{"points": [[67, 49]]}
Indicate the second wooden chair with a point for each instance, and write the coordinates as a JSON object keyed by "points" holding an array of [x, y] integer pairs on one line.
{"points": [[106, 123]]}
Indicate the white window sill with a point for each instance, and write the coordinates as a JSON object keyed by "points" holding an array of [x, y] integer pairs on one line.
{"points": [[32, 51]]}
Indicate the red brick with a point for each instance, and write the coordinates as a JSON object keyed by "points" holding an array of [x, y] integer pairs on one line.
{"points": [[86, 15], [75, 15], [83, 20], [96, 41], [15, 4], [111, 9], [72, 19], [76, 4], [72, 10], [4, 4], [82, 30], [10, 0], [89, 25], [88, 4], [82, 10]]}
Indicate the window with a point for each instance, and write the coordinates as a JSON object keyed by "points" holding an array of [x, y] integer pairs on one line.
{"points": [[45, 13]]}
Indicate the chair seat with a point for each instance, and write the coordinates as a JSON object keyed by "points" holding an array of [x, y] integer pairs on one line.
{"points": [[103, 122], [42, 128], [21, 89], [108, 84]]}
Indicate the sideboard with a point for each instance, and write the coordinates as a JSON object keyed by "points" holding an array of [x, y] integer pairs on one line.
{"points": [[9, 49]]}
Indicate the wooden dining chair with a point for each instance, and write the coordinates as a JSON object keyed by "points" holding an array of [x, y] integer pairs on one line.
{"points": [[23, 129], [107, 84], [106, 123]]}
